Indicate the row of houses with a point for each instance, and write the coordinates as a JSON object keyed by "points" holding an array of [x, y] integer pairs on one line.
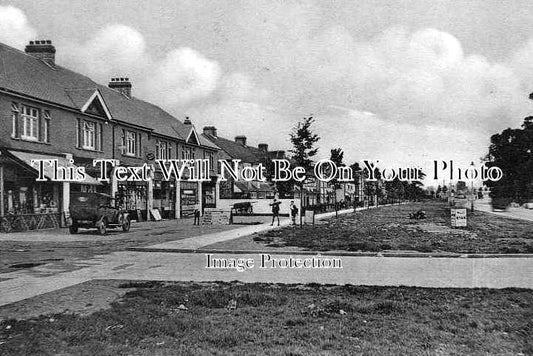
{"points": [[50, 112]]}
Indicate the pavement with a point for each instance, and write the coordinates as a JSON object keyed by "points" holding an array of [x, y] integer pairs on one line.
{"points": [[156, 263], [195, 243]]}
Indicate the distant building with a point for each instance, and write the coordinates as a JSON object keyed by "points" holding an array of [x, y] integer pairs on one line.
{"points": [[249, 156]]}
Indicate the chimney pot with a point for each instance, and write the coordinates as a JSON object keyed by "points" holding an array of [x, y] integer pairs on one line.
{"points": [[240, 140], [263, 147], [210, 130], [122, 85], [43, 50], [187, 121]]}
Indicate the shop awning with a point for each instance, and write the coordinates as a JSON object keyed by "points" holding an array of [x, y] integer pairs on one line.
{"points": [[26, 158], [246, 187]]}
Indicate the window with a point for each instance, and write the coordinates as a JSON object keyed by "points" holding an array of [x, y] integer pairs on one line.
{"points": [[30, 123], [14, 120], [163, 150], [211, 157], [46, 126], [188, 153], [89, 135], [131, 143]]}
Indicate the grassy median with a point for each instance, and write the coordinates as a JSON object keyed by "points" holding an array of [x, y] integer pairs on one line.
{"points": [[389, 228], [233, 318]]}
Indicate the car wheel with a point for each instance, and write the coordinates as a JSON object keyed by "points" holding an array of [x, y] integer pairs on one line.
{"points": [[101, 226], [73, 229], [126, 224]]}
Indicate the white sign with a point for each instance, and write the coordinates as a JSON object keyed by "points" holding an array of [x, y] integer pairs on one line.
{"points": [[309, 217], [458, 217]]}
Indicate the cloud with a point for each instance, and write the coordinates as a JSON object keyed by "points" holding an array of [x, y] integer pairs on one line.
{"points": [[422, 77], [15, 30], [181, 76], [115, 50]]}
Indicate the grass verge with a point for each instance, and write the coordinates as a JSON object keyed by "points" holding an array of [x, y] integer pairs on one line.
{"points": [[389, 228], [233, 318]]}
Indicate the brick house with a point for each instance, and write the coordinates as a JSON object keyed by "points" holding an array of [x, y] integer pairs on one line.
{"points": [[47, 111], [249, 156]]}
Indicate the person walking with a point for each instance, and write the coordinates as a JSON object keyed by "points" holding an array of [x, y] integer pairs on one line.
{"points": [[196, 215], [293, 211], [275, 210]]}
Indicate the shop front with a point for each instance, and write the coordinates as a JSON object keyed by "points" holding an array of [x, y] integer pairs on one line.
{"points": [[164, 197], [133, 197], [28, 204], [188, 198], [209, 194]]}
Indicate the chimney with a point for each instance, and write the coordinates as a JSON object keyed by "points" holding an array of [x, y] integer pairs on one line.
{"points": [[122, 85], [43, 50], [187, 121], [240, 140], [263, 147], [210, 130]]}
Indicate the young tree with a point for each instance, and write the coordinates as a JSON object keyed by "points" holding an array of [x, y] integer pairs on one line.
{"points": [[336, 156], [303, 149], [357, 173]]}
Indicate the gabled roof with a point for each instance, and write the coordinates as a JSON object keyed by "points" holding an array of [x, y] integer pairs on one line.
{"points": [[24, 74], [193, 137], [97, 101], [234, 150]]}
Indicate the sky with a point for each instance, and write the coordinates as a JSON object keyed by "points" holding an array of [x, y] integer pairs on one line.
{"points": [[402, 82]]}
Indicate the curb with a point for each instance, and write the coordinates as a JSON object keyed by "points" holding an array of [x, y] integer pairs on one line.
{"points": [[333, 253]]}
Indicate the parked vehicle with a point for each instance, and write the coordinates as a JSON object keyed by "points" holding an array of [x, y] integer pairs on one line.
{"points": [[500, 204], [243, 208], [96, 210]]}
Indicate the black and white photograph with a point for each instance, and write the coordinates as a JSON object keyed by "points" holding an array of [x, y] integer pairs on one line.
{"points": [[266, 177]]}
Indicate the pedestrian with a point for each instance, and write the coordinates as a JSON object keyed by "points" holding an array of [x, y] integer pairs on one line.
{"points": [[294, 212], [196, 215], [275, 210]]}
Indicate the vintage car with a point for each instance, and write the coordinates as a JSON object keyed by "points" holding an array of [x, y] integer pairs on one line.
{"points": [[96, 210], [243, 208]]}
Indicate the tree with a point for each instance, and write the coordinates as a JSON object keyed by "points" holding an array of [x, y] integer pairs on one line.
{"points": [[336, 156], [357, 173], [512, 151], [303, 141], [303, 149]]}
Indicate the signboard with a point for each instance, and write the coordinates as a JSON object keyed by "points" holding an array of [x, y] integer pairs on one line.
{"points": [[309, 217], [155, 214], [458, 217]]}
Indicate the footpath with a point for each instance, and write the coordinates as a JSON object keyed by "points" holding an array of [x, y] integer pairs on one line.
{"points": [[156, 263]]}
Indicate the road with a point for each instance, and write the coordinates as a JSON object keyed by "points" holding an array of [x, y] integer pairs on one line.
{"points": [[513, 213], [459, 272]]}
